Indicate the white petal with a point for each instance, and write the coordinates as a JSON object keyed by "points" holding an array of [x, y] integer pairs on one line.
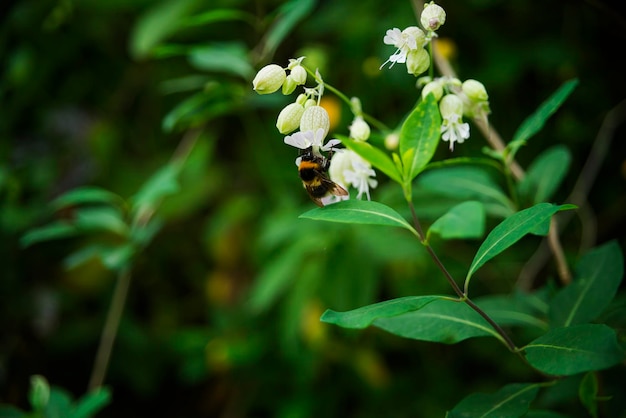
{"points": [[298, 140]]}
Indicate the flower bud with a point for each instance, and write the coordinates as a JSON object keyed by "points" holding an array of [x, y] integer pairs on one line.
{"points": [[414, 37], [310, 102], [289, 85], [302, 98], [39, 393], [314, 118], [269, 79], [433, 16], [433, 87], [450, 104], [359, 130], [392, 141], [417, 61], [298, 74], [289, 118], [475, 90]]}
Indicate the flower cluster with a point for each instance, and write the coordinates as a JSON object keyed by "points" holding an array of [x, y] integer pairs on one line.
{"points": [[410, 43], [309, 123], [456, 99]]}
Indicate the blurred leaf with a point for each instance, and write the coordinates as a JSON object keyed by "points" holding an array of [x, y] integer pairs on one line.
{"points": [[545, 174], [575, 349], [54, 230], [289, 14], [162, 183], [468, 183], [117, 257], [534, 123], [364, 316], [378, 158], [466, 220], [598, 276], [60, 404], [442, 321], [543, 414], [514, 310], [511, 230], [91, 403], [8, 411], [588, 393], [86, 195], [231, 58], [359, 212], [218, 15], [39, 393], [510, 401], [419, 137], [157, 24], [102, 218]]}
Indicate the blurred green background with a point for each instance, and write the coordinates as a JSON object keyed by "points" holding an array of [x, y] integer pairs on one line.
{"points": [[222, 317]]}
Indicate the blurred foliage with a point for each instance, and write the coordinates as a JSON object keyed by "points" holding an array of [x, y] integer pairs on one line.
{"points": [[222, 317]]}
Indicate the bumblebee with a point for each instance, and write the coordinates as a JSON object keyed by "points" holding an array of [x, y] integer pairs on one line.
{"points": [[313, 171]]}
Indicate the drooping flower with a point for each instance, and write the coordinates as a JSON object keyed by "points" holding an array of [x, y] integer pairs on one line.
{"points": [[269, 79], [359, 129], [452, 128], [410, 39], [348, 168]]}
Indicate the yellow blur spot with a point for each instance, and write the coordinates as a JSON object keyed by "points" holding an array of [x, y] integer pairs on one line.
{"points": [[371, 67], [218, 355], [445, 47], [219, 288], [312, 329], [333, 107], [371, 368]]}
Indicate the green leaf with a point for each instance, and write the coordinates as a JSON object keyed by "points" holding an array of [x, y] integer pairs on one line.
{"points": [[364, 316], [8, 411], [511, 230], [218, 15], [86, 195], [231, 58], [92, 402], [39, 393], [468, 183], [575, 349], [157, 24], [588, 393], [444, 321], [419, 137], [598, 276], [359, 212], [55, 230], [60, 404], [544, 414], [510, 401], [535, 122], [545, 174], [520, 309], [289, 14], [162, 183], [100, 218], [374, 156], [465, 220]]}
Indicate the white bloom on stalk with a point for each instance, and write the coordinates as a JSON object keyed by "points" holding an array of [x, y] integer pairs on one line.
{"points": [[410, 39], [452, 128], [348, 168]]}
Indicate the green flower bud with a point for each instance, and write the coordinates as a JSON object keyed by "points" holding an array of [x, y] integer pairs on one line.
{"points": [[417, 61], [289, 85], [39, 393], [314, 118], [435, 88], [392, 141], [433, 16], [289, 118], [310, 102], [359, 130], [449, 105], [475, 90], [269, 79]]}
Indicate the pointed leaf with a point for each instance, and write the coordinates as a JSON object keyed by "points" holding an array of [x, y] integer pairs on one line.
{"points": [[378, 158], [535, 122], [359, 212], [92, 403], [511, 230], [468, 183], [545, 174], [229, 58], [100, 218], [466, 220], [598, 276], [588, 393], [575, 349], [55, 230], [442, 320], [510, 401], [161, 184], [364, 316], [289, 14], [419, 137], [86, 195], [520, 309]]}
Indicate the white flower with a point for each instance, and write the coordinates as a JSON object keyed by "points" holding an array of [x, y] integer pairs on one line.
{"points": [[454, 131], [313, 139], [359, 129], [405, 41], [348, 168]]}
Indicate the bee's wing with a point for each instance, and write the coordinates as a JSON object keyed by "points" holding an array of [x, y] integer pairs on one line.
{"points": [[336, 189]]}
